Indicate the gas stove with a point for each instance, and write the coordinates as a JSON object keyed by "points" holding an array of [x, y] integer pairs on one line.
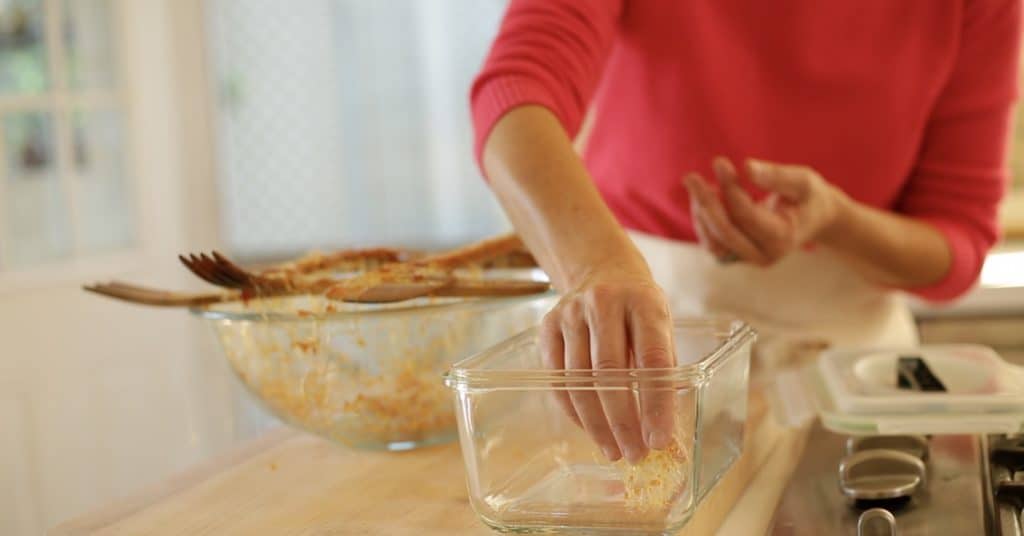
{"points": [[974, 485], [956, 498], [1005, 473]]}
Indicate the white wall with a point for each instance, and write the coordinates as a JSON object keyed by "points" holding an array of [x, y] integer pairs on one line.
{"points": [[99, 398]]}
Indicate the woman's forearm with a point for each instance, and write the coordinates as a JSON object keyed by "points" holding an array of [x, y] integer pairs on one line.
{"points": [[547, 193], [888, 249], [611, 314]]}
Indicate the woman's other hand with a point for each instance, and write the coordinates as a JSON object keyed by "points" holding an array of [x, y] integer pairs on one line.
{"points": [[801, 207], [615, 318]]}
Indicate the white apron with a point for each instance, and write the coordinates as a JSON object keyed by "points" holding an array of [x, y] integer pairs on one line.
{"points": [[807, 296]]}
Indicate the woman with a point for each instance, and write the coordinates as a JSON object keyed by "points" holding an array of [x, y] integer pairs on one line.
{"points": [[792, 162]]}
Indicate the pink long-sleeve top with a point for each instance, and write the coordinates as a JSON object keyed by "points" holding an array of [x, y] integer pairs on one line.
{"points": [[904, 104]]}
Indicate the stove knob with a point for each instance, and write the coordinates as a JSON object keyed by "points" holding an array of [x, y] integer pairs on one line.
{"points": [[876, 522]]}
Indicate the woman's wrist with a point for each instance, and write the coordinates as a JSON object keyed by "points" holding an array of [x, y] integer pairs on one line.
{"points": [[886, 248], [844, 212], [615, 257]]}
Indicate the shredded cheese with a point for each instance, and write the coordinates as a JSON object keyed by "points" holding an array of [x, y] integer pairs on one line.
{"points": [[657, 480]]}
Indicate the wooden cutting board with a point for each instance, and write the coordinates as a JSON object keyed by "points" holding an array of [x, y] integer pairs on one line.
{"points": [[294, 483]]}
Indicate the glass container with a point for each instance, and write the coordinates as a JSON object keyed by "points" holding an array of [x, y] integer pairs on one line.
{"points": [[366, 376], [530, 468]]}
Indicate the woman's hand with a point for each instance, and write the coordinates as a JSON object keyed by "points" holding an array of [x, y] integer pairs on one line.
{"points": [[615, 318], [802, 207], [612, 314]]}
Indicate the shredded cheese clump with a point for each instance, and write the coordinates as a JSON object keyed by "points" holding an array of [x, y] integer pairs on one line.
{"points": [[658, 479]]}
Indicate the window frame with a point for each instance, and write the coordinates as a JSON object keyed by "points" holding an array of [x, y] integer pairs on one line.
{"points": [[60, 101]]}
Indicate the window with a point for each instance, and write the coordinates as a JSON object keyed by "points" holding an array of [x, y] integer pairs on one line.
{"points": [[64, 191], [346, 122]]}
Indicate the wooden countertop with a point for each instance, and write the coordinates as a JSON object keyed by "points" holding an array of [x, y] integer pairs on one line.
{"points": [[289, 482]]}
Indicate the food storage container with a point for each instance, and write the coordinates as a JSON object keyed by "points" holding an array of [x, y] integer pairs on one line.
{"points": [[856, 391], [530, 468], [367, 376]]}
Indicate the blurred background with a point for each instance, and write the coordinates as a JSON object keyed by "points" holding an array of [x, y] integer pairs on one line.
{"points": [[133, 130]]}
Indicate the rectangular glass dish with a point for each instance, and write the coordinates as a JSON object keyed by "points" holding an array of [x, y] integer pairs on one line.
{"points": [[530, 468]]}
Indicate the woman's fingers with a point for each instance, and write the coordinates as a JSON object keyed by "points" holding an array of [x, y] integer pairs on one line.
{"points": [[791, 182], [552, 352], [608, 352], [767, 230], [576, 337], [594, 332], [800, 205], [703, 235], [650, 329], [717, 222], [809, 204]]}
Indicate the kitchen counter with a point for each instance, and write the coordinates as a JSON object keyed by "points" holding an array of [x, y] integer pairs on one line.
{"points": [[289, 482]]}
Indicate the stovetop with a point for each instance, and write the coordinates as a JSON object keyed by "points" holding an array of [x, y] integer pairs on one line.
{"points": [[1006, 476], [954, 500]]}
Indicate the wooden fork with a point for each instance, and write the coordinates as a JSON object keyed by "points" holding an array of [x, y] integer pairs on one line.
{"points": [[161, 298], [390, 283], [380, 293], [427, 276], [217, 269]]}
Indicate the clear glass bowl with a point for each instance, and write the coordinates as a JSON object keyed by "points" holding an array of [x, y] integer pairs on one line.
{"points": [[529, 468], [366, 376]]}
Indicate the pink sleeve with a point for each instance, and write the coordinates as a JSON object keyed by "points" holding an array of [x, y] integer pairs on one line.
{"points": [[960, 175], [547, 52]]}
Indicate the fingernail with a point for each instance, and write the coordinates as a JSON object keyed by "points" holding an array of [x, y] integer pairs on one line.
{"points": [[658, 439], [721, 165], [611, 454], [695, 188], [757, 168], [634, 456]]}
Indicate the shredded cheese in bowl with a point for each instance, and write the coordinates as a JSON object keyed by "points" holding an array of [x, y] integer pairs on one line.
{"points": [[368, 376]]}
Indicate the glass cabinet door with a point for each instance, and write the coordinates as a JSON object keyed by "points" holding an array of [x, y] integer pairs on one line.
{"points": [[37, 226], [65, 189], [23, 55]]}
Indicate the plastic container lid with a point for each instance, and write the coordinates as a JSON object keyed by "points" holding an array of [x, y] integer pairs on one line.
{"points": [[856, 392]]}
